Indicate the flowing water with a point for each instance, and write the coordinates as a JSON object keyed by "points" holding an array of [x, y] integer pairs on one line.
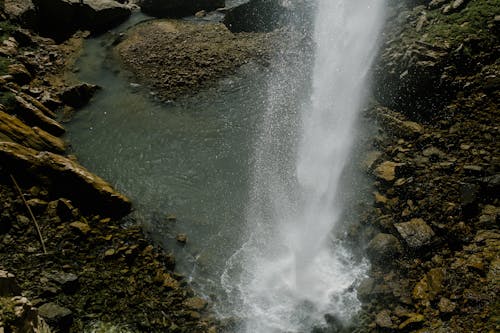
{"points": [[252, 168]]}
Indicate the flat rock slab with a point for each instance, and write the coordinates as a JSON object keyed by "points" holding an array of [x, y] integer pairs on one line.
{"points": [[66, 177]]}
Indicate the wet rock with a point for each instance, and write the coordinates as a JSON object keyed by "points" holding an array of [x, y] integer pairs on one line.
{"points": [[67, 281], [387, 170], [416, 233], [178, 8], [66, 177], [19, 74], [23, 316], [181, 238], [446, 306], [13, 129], [78, 95], [195, 303], [397, 125], [365, 289], [256, 16], [469, 197], [56, 316], [383, 319], [59, 19], [8, 284], [383, 246], [81, 227]]}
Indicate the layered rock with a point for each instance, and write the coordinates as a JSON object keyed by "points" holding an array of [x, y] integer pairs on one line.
{"points": [[65, 177], [178, 8]]}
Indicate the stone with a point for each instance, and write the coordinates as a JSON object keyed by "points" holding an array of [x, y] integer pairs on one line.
{"points": [[383, 319], [78, 95], [33, 116], [396, 124], [169, 282], [59, 19], [82, 227], [178, 8], [56, 316], [414, 319], [416, 233], [67, 178], [201, 13], [195, 303], [19, 74], [181, 238], [446, 306], [14, 130], [430, 286], [369, 161], [256, 16], [67, 281], [383, 246], [22, 11], [8, 284], [387, 170]]}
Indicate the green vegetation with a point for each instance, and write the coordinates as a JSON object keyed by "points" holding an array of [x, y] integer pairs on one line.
{"points": [[7, 99], [6, 30], [7, 313]]}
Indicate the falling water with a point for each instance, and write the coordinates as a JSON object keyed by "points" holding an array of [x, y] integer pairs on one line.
{"points": [[292, 271]]}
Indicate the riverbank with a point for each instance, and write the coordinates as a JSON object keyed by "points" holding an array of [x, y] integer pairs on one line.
{"points": [[67, 258]]}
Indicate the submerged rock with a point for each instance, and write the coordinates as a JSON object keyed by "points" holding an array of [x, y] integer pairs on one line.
{"points": [[66, 177]]}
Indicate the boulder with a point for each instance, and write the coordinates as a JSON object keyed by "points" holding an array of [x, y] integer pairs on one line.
{"points": [[383, 246], [56, 316], [416, 233], [22, 11], [59, 19], [13, 129], [8, 285], [256, 16], [78, 95], [430, 286], [19, 74], [178, 8], [65, 177]]}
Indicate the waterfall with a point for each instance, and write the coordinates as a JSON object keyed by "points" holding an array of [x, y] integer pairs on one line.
{"points": [[291, 271]]}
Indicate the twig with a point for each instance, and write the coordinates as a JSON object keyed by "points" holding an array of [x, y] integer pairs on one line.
{"points": [[31, 213]]}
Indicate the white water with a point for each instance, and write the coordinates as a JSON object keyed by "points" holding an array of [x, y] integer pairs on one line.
{"points": [[292, 271]]}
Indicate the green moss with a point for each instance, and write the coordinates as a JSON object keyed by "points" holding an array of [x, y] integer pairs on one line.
{"points": [[7, 314], [6, 30], [8, 100], [473, 23]]}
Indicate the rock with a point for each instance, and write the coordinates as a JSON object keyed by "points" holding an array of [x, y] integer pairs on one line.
{"points": [[67, 281], [59, 19], [8, 284], [383, 246], [370, 160], [22, 11], [195, 303], [413, 320], [169, 282], [396, 125], [82, 227], [178, 8], [13, 129], [446, 306], [430, 286], [56, 316], [256, 16], [33, 116], [65, 177], [19, 73], [24, 317], [365, 289], [78, 95], [201, 13], [181, 238], [383, 319], [416, 233], [387, 170]]}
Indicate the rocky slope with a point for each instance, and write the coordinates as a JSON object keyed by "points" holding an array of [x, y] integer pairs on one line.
{"points": [[433, 234]]}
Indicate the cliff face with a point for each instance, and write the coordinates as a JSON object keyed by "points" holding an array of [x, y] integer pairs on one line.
{"points": [[433, 231]]}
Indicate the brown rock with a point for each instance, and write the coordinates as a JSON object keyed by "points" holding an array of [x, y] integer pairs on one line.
{"points": [[446, 306], [19, 73], [430, 285], [416, 233], [66, 177], [396, 124], [383, 319], [82, 227], [8, 285], [195, 303], [387, 170], [13, 129], [383, 246]]}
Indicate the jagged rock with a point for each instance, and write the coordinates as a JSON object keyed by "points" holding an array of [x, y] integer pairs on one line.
{"points": [[9, 47], [8, 284], [396, 125], [78, 95], [178, 8], [383, 246], [56, 316], [430, 286], [22, 11], [65, 177], [67, 281], [13, 129], [416, 233], [59, 19], [19, 73], [35, 117], [387, 170], [83, 228], [255, 16], [181, 238]]}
